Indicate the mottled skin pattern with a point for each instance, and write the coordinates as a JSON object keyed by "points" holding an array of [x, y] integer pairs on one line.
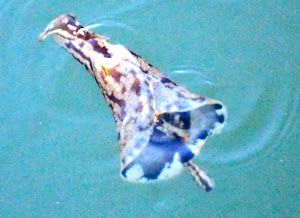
{"points": [[161, 126]]}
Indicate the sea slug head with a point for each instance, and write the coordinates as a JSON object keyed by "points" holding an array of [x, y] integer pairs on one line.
{"points": [[64, 26]]}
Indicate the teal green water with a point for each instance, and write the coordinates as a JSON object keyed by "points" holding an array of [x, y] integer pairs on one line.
{"points": [[59, 153]]}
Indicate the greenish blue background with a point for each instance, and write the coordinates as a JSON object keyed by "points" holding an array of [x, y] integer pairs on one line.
{"points": [[59, 153]]}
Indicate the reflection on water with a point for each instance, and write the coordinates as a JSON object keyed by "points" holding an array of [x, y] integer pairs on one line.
{"points": [[111, 24]]}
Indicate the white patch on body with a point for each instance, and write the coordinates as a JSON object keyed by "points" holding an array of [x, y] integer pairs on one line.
{"points": [[196, 148], [171, 169], [135, 173], [217, 128], [71, 27], [119, 52]]}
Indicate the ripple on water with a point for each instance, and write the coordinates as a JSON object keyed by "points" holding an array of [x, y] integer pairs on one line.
{"points": [[183, 74], [259, 119], [119, 9]]}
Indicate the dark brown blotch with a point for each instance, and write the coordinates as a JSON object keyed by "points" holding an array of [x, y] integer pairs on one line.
{"points": [[218, 106], [113, 98], [123, 114], [221, 118], [184, 119], [136, 87], [86, 35], [98, 48], [139, 107], [167, 80], [202, 135], [115, 74]]}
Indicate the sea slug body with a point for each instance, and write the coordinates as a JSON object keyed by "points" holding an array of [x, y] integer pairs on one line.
{"points": [[161, 126]]}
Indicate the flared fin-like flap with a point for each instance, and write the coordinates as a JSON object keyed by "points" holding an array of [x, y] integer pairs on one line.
{"points": [[183, 123], [176, 138], [136, 117], [195, 125], [172, 98], [133, 140]]}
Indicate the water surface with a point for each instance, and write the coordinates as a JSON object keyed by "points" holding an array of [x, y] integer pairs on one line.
{"points": [[59, 152]]}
